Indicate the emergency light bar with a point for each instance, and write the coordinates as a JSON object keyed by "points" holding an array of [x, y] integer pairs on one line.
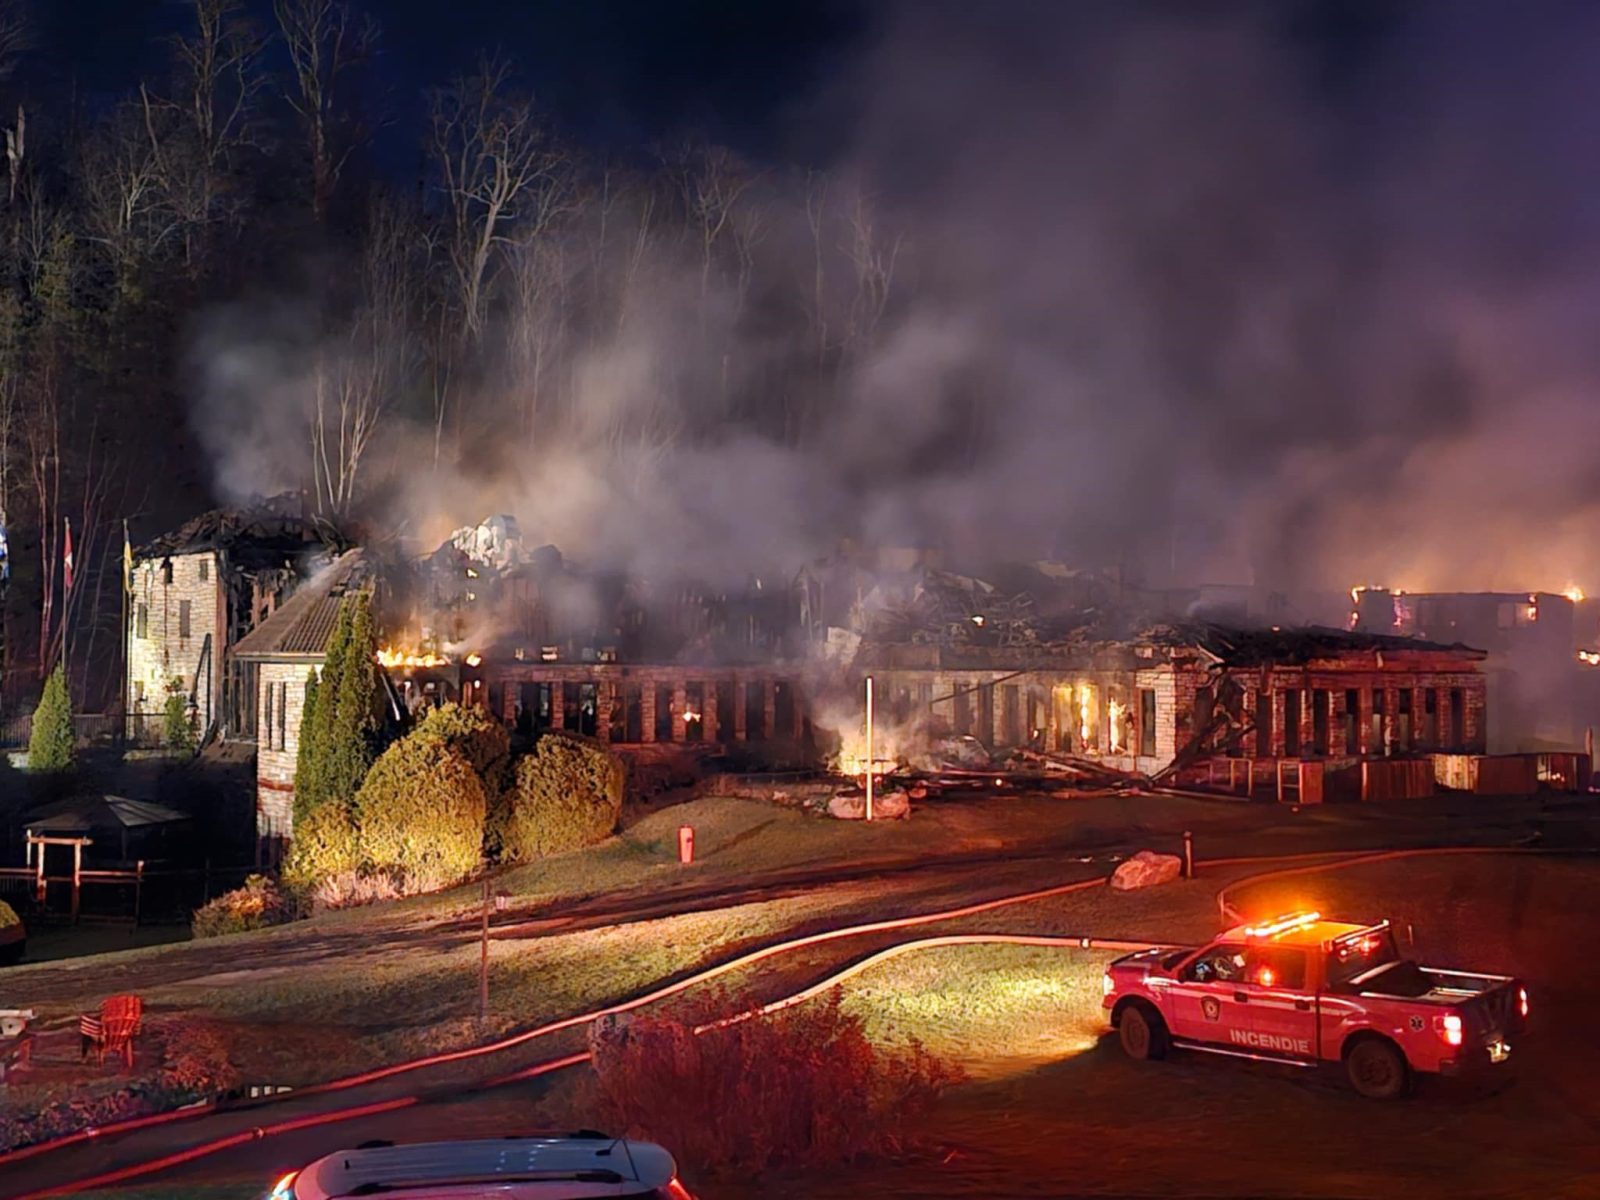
{"points": [[1355, 937], [1283, 924]]}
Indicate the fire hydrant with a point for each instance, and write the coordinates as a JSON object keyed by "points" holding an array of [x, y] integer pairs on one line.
{"points": [[686, 843]]}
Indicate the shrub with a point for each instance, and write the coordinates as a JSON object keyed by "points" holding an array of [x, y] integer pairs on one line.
{"points": [[354, 889], [256, 905], [177, 731], [194, 1061], [50, 744], [421, 813], [324, 845], [809, 1087], [477, 737], [567, 794]]}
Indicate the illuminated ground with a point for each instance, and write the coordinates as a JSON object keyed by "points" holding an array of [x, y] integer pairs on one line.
{"points": [[1052, 1111]]}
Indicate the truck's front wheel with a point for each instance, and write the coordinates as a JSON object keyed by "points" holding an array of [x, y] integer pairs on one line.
{"points": [[1377, 1069], [1143, 1033]]}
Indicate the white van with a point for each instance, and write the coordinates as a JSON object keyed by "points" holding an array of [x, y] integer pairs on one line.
{"points": [[578, 1167]]}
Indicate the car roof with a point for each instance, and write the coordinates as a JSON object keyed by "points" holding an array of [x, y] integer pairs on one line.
{"points": [[429, 1168], [1307, 931]]}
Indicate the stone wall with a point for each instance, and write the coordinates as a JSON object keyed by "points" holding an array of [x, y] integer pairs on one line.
{"points": [[168, 651], [280, 707]]}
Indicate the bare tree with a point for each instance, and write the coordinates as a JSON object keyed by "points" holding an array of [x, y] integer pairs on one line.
{"points": [[354, 382], [125, 207], [214, 106], [499, 166], [710, 180], [15, 36], [537, 269], [326, 40]]}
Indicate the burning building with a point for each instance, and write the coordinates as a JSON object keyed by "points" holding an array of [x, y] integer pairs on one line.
{"points": [[196, 592], [1176, 695], [1542, 689], [1058, 662]]}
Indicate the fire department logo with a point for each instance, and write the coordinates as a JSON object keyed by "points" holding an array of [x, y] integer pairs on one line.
{"points": [[1211, 1007], [1416, 1024]]}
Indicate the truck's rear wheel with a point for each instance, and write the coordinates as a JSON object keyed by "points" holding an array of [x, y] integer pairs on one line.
{"points": [[1377, 1069], [1143, 1033]]}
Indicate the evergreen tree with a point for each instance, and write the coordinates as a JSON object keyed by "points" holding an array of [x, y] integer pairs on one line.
{"points": [[178, 731], [308, 761], [339, 731], [50, 745], [353, 741], [311, 785]]}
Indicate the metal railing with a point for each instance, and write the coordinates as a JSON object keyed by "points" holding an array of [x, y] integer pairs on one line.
{"points": [[139, 729]]}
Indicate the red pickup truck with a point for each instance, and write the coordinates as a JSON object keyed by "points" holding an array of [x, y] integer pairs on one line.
{"points": [[1301, 990]]}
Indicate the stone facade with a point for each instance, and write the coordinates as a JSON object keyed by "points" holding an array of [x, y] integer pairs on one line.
{"points": [[280, 707], [175, 621]]}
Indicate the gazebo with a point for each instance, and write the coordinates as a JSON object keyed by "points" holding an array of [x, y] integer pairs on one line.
{"points": [[85, 821]]}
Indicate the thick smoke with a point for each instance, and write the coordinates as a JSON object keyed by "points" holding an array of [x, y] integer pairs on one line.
{"points": [[1184, 289]]}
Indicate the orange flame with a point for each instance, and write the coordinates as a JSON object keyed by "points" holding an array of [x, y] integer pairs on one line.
{"points": [[393, 656]]}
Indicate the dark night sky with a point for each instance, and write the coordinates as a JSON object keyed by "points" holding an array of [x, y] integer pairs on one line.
{"points": [[614, 72]]}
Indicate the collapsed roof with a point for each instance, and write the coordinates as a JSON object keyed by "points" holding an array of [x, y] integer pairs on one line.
{"points": [[276, 526]]}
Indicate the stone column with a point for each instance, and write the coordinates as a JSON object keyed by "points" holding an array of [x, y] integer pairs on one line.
{"points": [[647, 711], [680, 703]]}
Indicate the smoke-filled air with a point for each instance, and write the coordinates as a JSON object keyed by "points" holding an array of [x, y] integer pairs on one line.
{"points": [[1143, 291], [1191, 291]]}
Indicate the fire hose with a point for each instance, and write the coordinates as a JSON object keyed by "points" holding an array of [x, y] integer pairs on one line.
{"points": [[507, 1043], [178, 1158], [1328, 862]]}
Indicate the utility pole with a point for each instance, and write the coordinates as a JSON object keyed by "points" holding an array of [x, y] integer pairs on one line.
{"points": [[869, 748], [483, 959]]}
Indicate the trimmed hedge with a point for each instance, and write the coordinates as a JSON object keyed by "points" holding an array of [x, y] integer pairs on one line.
{"points": [[475, 736], [421, 812], [324, 845], [567, 794]]}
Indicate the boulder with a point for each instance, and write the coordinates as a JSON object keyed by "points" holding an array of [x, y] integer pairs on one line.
{"points": [[1146, 869], [886, 806]]}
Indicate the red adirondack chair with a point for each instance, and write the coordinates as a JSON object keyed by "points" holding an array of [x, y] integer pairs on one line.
{"points": [[113, 1032]]}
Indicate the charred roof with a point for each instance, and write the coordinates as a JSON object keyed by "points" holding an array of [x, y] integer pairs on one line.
{"points": [[276, 526], [1291, 646]]}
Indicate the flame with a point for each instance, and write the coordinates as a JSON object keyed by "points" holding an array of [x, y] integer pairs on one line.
{"points": [[1592, 657], [1085, 704], [474, 659], [1115, 712], [1573, 592], [393, 656]]}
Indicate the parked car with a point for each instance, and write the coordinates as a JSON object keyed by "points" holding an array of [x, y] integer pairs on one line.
{"points": [[1302, 990], [576, 1167]]}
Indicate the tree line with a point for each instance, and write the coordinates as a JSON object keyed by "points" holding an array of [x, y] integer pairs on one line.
{"points": [[452, 317]]}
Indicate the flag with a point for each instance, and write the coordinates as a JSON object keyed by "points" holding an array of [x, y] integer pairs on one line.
{"points": [[127, 560], [66, 559]]}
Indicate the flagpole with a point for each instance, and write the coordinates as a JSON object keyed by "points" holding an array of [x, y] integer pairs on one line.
{"points": [[66, 614], [125, 635]]}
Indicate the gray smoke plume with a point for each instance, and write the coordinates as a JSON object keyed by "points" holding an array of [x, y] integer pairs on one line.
{"points": [[1187, 289]]}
